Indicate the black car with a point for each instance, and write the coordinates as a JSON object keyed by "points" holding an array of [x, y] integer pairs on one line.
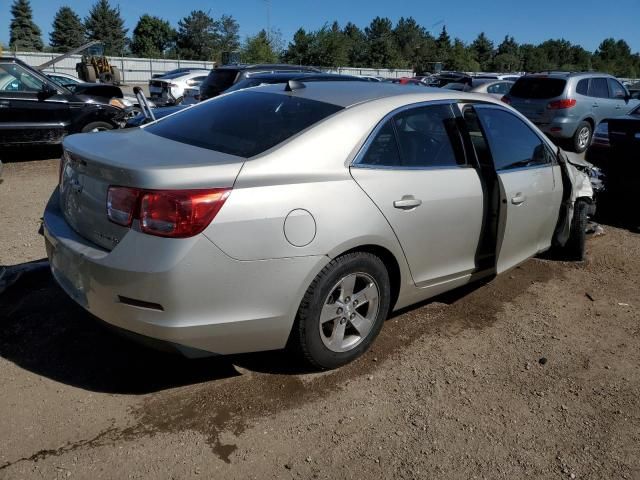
{"points": [[445, 78], [221, 78], [253, 80], [36, 110]]}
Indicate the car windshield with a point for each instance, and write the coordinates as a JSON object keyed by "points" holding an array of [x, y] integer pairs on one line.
{"points": [[538, 87], [220, 79], [245, 123]]}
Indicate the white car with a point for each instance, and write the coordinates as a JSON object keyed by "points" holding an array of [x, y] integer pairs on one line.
{"points": [[171, 88]]}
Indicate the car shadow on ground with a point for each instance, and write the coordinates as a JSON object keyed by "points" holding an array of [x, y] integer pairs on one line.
{"points": [[45, 332]]}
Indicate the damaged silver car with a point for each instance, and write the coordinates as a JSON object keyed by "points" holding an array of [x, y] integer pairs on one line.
{"points": [[302, 215]]}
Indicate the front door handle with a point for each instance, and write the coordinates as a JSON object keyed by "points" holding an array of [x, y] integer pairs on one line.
{"points": [[408, 202], [595, 105], [519, 199]]}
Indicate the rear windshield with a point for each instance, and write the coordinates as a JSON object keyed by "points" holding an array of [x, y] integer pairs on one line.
{"points": [[220, 79], [244, 123], [538, 87]]}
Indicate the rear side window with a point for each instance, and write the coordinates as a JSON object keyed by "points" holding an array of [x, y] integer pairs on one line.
{"points": [[583, 87], [598, 88], [220, 79], [538, 87], [615, 89], [245, 123], [502, 87], [383, 150], [429, 137], [513, 144]]}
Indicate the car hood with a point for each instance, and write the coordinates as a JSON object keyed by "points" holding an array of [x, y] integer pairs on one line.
{"points": [[97, 90]]}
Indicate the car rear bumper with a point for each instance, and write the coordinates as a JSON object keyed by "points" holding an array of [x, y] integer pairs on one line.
{"points": [[183, 291], [559, 127]]}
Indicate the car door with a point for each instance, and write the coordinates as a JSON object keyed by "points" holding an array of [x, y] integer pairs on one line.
{"points": [[602, 106], [32, 109], [619, 96], [529, 182], [414, 168]]}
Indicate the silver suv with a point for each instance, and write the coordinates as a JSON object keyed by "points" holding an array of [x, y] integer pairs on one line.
{"points": [[569, 105]]}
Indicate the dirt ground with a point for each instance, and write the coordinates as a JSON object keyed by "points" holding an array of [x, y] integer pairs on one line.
{"points": [[533, 375]]}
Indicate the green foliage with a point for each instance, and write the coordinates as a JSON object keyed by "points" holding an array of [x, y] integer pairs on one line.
{"points": [[261, 48], [381, 47], [152, 37], [67, 31], [482, 51], [104, 23], [23, 33], [201, 37]]}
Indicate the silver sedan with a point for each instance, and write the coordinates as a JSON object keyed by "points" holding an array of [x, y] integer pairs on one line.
{"points": [[301, 216]]}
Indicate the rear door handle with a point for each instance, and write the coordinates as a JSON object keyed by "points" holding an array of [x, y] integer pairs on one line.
{"points": [[519, 199], [5, 103], [595, 105], [408, 202]]}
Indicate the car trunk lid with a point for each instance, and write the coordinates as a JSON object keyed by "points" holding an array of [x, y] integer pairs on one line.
{"points": [[131, 158], [531, 96]]}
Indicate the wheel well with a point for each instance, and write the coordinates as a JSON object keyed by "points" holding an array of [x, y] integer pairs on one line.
{"points": [[390, 262], [590, 121]]}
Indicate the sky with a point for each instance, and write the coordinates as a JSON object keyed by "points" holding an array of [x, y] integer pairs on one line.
{"points": [[585, 22]]}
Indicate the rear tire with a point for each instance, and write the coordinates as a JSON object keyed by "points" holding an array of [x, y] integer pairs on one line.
{"points": [[90, 73], [582, 137], [106, 77], [97, 127], [342, 312], [574, 249]]}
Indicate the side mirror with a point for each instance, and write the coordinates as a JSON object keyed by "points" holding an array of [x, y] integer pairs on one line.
{"points": [[46, 92]]}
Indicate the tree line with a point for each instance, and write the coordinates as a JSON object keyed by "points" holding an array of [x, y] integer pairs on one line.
{"points": [[381, 44]]}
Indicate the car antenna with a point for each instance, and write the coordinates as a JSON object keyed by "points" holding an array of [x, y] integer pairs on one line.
{"points": [[293, 85]]}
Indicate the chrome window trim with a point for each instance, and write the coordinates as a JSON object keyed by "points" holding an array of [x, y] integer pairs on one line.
{"points": [[355, 163]]}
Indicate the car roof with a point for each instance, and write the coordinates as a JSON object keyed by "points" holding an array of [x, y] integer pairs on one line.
{"points": [[269, 66], [347, 94], [565, 75]]}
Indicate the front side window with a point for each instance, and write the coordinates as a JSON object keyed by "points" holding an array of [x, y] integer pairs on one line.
{"points": [[616, 90], [512, 143], [245, 123], [598, 88], [14, 78], [429, 137]]}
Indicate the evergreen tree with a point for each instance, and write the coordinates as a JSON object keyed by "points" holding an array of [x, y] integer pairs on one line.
{"points": [[443, 46], [355, 40], [482, 49], [261, 48], [381, 48], [298, 49], [410, 38], [197, 36], [104, 23], [152, 37], [23, 33], [507, 57], [462, 58], [227, 36], [67, 32], [329, 47]]}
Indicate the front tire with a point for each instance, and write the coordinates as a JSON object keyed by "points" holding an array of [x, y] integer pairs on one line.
{"points": [[582, 137], [575, 247], [343, 311]]}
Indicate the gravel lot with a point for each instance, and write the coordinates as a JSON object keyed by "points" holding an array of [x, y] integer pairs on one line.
{"points": [[533, 375]]}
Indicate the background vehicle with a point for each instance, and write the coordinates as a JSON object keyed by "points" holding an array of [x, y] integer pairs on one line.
{"points": [[568, 106], [221, 78], [601, 135], [35, 109], [75, 84], [445, 78], [360, 198], [95, 66], [496, 89], [170, 88], [512, 77], [180, 70]]}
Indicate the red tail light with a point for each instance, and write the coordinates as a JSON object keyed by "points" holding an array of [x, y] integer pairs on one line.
{"points": [[166, 213], [560, 104], [506, 100]]}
